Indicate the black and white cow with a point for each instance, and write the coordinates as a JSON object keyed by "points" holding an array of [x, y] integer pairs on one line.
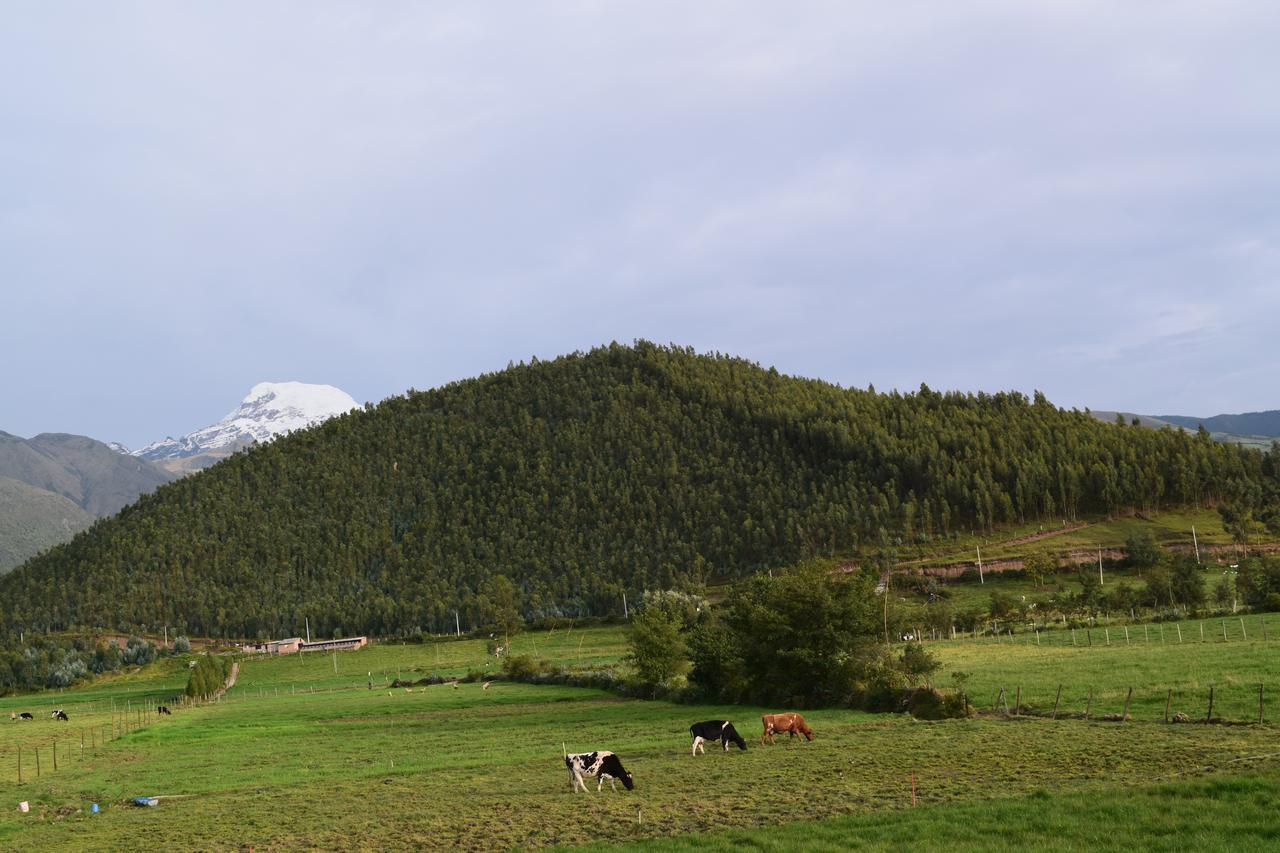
{"points": [[25, 715], [161, 709], [60, 714], [721, 730], [602, 765]]}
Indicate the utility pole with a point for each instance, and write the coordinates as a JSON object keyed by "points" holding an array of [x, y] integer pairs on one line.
{"points": [[887, 578], [980, 580], [1101, 582], [1195, 542]]}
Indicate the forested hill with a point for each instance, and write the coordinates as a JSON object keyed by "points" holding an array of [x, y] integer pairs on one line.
{"points": [[580, 478]]}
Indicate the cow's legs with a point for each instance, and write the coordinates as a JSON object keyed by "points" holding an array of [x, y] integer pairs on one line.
{"points": [[575, 782], [697, 742]]}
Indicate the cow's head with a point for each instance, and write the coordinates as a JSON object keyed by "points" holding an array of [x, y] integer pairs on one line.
{"points": [[627, 781]]}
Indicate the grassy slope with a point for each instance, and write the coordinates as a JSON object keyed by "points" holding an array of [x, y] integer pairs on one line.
{"points": [[282, 767], [1169, 528]]}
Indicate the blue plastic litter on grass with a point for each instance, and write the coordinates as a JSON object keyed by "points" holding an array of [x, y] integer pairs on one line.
{"points": [[146, 801]]}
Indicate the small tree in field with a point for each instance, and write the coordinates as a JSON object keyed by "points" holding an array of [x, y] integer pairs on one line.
{"points": [[1039, 565], [658, 651], [1141, 549]]}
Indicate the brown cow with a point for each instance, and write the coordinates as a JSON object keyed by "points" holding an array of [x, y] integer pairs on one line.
{"points": [[788, 723]]}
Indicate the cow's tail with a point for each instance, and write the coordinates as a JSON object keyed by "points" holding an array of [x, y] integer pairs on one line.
{"points": [[564, 749]]}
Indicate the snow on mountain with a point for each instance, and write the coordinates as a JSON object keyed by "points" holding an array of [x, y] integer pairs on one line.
{"points": [[119, 448], [270, 409]]}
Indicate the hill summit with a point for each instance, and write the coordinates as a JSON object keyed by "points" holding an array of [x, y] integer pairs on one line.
{"points": [[557, 486]]}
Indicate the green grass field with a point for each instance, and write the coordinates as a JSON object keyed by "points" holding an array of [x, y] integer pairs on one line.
{"points": [[1151, 659], [300, 757], [1222, 813]]}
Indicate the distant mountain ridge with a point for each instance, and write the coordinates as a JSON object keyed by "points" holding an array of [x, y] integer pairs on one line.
{"points": [[268, 410], [33, 519], [1265, 424], [54, 485], [1263, 427]]}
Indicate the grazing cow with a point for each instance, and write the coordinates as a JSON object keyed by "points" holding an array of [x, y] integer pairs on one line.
{"points": [[788, 723], [721, 730], [602, 765], [60, 714], [25, 716], [163, 709]]}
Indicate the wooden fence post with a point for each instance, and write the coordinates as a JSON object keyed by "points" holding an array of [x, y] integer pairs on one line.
{"points": [[1209, 717], [1167, 699], [1107, 633], [1126, 635], [1017, 702], [1224, 630], [37, 762], [1073, 636], [55, 756], [19, 764], [995, 706], [1243, 633], [1088, 705], [1179, 627], [1125, 715], [1264, 628], [1056, 700], [1202, 631], [1259, 704], [1146, 635]]}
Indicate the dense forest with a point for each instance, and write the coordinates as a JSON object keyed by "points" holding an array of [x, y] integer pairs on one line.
{"points": [[583, 478]]}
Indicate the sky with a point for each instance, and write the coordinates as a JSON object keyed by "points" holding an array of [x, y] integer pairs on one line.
{"points": [[1081, 198]]}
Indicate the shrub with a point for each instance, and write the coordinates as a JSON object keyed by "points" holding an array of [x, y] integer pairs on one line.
{"points": [[1141, 549], [521, 667], [657, 651]]}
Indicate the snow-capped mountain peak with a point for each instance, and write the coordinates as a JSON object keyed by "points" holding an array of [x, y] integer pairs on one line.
{"points": [[268, 410]]}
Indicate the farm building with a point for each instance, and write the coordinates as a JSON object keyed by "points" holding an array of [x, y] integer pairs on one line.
{"points": [[298, 645]]}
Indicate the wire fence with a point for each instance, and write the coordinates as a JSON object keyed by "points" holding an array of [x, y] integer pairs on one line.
{"points": [[1210, 629], [1230, 704]]}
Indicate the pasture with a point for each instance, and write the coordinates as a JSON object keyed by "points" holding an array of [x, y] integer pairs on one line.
{"points": [[298, 757]]}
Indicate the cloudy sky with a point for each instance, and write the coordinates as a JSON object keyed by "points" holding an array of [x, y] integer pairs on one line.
{"points": [[1082, 198]]}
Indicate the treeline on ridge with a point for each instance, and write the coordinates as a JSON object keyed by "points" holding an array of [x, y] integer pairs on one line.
{"points": [[583, 478]]}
